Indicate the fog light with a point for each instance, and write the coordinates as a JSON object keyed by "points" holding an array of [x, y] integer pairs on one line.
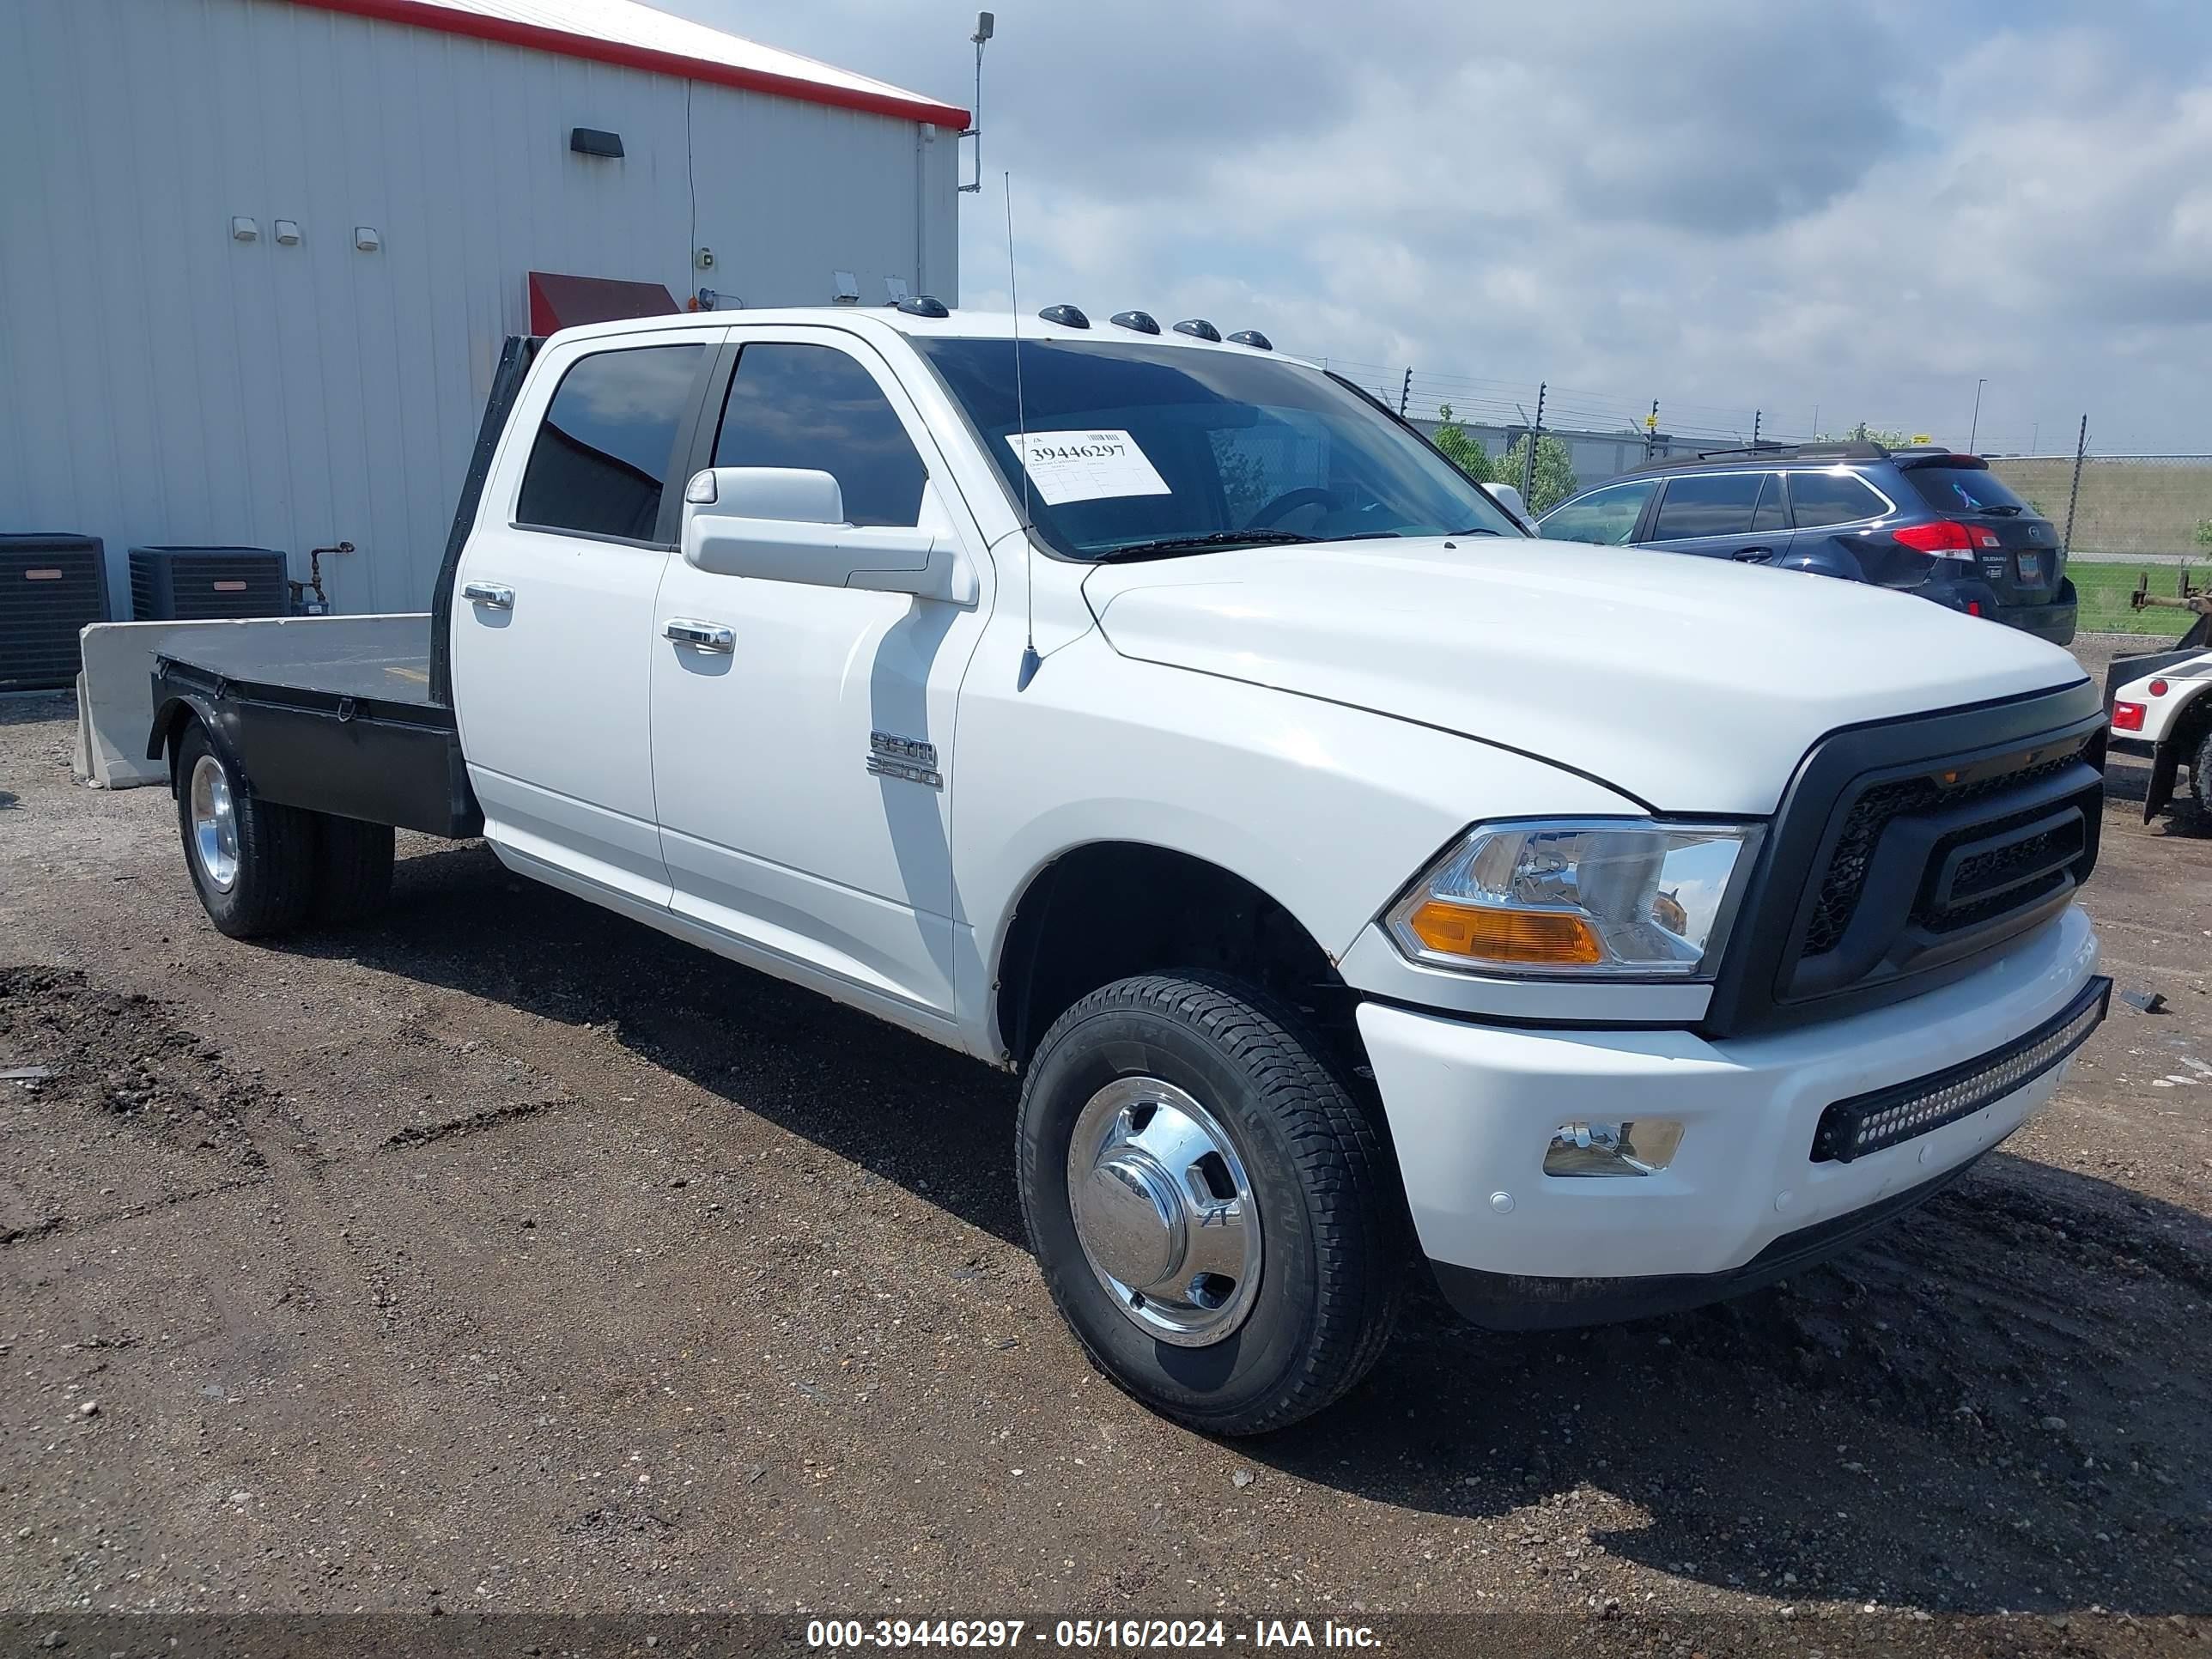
{"points": [[1642, 1147]]}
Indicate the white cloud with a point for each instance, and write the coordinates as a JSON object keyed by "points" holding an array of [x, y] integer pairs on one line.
{"points": [[1722, 206]]}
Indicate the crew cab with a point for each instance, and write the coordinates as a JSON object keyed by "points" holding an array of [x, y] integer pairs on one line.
{"points": [[1354, 881]]}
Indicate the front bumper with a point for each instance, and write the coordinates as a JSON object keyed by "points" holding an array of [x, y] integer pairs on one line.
{"points": [[1472, 1108]]}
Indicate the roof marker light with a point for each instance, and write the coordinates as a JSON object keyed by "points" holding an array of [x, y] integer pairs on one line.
{"points": [[1142, 321], [923, 305], [1253, 338], [1066, 316], [1199, 328]]}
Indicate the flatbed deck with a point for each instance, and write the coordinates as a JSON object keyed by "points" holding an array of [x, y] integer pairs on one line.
{"points": [[382, 659], [335, 716]]}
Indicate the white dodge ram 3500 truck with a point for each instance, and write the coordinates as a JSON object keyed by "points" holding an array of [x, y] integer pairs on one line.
{"points": [[1351, 877]]}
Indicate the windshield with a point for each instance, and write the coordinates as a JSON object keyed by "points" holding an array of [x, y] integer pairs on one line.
{"points": [[1138, 450]]}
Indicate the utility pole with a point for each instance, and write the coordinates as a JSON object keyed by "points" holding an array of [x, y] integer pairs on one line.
{"points": [[1755, 428], [2074, 495], [1535, 436], [1974, 428], [1651, 429], [1405, 392]]}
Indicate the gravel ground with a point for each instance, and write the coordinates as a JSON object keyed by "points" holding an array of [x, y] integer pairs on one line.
{"points": [[506, 1256]]}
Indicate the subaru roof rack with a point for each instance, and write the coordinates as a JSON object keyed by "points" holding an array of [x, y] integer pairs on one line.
{"points": [[1857, 450]]}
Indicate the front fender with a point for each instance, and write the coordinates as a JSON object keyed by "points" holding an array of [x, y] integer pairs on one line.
{"points": [[1329, 810]]}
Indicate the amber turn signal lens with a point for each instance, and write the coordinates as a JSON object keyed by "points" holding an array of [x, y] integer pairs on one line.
{"points": [[1490, 934]]}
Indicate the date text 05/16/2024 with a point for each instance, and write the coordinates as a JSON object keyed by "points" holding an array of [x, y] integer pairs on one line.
{"points": [[1086, 1634]]}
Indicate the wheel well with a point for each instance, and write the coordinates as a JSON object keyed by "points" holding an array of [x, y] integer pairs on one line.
{"points": [[175, 719], [1111, 909]]}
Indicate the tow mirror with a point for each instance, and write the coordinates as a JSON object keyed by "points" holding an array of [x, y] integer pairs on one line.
{"points": [[786, 525]]}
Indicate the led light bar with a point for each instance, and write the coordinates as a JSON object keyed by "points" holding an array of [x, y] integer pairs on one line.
{"points": [[1867, 1123]]}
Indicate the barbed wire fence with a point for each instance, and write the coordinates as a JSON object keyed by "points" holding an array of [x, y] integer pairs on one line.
{"points": [[2110, 507]]}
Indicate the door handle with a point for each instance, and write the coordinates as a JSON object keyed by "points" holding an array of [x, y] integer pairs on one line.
{"points": [[489, 594], [1752, 554], [700, 635]]}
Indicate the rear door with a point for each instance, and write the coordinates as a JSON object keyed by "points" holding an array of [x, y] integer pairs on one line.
{"points": [[1722, 515], [553, 628]]}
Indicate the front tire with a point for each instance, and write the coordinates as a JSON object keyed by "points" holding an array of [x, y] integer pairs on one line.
{"points": [[251, 861], [1215, 1218]]}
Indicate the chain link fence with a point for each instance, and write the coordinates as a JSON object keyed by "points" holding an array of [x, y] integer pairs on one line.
{"points": [[2136, 509]]}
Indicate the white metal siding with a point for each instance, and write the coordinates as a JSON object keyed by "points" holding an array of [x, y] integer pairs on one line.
{"points": [[162, 382]]}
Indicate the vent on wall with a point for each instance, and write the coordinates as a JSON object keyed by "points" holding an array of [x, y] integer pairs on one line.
{"points": [[590, 141], [199, 584], [50, 585]]}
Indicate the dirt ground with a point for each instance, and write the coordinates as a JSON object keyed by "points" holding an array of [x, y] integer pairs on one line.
{"points": [[503, 1255]]}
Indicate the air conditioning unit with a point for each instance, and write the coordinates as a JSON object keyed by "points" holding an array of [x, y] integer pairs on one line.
{"points": [[202, 584], [52, 585]]}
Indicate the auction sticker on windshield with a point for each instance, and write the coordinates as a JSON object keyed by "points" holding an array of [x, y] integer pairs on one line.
{"points": [[1086, 466]]}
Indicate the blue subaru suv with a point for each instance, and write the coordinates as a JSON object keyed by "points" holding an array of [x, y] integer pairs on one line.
{"points": [[1927, 521]]}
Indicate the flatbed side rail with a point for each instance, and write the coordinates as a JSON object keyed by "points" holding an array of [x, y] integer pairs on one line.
{"points": [[514, 360], [357, 757]]}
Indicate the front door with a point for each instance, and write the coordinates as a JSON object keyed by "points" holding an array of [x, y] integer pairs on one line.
{"points": [[553, 629], [802, 735]]}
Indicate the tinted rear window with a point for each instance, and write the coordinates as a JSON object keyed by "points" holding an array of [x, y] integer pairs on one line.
{"points": [[1715, 504], [1819, 498], [1964, 489], [603, 454]]}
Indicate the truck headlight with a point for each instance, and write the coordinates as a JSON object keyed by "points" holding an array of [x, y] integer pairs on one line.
{"points": [[1587, 897]]}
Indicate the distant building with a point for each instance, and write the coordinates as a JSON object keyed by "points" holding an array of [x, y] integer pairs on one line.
{"points": [[257, 257]]}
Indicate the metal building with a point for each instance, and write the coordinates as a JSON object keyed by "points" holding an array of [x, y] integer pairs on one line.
{"points": [[257, 257]]}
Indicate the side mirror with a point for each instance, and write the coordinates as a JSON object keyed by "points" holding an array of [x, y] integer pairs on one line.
{"points": [[793, 495], [786, 525], [1509, 497]]}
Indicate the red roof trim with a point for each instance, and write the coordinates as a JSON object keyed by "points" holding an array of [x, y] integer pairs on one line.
{"points": [[447, 20]]}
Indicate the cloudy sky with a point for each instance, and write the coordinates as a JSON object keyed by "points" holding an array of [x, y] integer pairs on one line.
{"points": [[1852, 208]]}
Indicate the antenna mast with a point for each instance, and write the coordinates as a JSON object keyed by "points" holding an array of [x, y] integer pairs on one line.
{"points": [[984, 24], [1031, 661]]}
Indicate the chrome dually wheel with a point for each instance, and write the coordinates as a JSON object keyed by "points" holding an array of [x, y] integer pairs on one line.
{"points": [[214, 823], [1165, 1210]]}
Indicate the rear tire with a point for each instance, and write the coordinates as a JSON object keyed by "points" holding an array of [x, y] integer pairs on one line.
{"points": [[2200, 771], [251, 861], [353, 869], [1229, 1345]]}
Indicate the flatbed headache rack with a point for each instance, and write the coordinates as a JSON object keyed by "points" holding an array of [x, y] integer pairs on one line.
{"points": [[353, 716]]}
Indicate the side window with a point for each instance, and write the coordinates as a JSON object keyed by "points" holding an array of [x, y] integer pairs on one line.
{"points": [[1607, 517], [813, 406], [1707, 504], [1819, 498], [600, 460], [1772, 512]]}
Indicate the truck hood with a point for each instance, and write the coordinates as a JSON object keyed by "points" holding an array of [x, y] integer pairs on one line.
{"points": [[1691, 684]]}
